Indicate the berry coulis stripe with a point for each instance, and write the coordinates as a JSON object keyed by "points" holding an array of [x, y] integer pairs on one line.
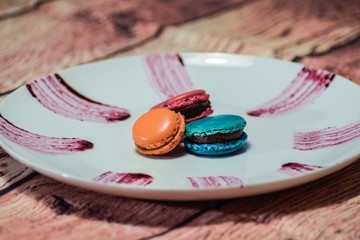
{"points": [[326, 137], [293, 168], [167, 74], [308, 85], [139, 179], [40, 143], [57, 96], [215, 181]]}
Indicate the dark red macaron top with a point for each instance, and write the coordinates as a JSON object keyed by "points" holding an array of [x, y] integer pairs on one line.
{"points": [[181, 98], [193, 105]]}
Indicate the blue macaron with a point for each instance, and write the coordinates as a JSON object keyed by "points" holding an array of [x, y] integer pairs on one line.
{"points": [[216, 135]]}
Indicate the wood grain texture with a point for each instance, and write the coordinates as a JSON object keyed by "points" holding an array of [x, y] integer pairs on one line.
{"points": [[11, 171], [341, 61], [323, 34], [69, 33], [269, 28], [46, 209], [304, 212], [177, 12], [89, 34], [12, 8]]}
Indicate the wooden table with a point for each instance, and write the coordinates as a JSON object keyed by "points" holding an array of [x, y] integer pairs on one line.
{"points": [[38, 37]]}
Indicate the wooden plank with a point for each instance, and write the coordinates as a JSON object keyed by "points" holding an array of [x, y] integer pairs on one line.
{"points": [[343, 61], [286, 31], [267, 28], [177, 12], [46, 209], [11, 8], [304, 212], [94, 30], [53, 46], [11, 171]]}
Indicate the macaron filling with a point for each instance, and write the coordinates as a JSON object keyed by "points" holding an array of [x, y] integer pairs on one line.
{"points": [[193, 110], [214, 149], [216, 138]]}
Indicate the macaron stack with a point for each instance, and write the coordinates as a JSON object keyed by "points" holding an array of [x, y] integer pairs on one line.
{"points": [[185, 118]]}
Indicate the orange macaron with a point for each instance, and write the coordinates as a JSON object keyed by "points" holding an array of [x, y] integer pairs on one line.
{"points": [[158, 131]]}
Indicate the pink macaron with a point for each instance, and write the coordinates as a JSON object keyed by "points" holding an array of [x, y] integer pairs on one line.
{"points": [[192, 105]]}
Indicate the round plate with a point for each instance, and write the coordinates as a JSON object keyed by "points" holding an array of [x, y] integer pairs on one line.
{"points": [[73, 126]]}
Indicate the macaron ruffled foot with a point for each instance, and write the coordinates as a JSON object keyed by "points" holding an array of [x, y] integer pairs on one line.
{"points": [[216, 135]]}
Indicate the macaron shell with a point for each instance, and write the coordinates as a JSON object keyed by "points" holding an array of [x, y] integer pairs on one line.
{"points": [[179, 100], [158, 131], [186, 102], [213, 149], [219, 124], [168, 147], [188, 99], [154, 128], [206, 112]]}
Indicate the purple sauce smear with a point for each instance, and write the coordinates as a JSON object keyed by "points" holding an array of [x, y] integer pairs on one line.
{"points": [[293, 168], [167, 74], [40, 143], [309, 84], [215, 182], [57, 96], [139, 179], [326, 137]]}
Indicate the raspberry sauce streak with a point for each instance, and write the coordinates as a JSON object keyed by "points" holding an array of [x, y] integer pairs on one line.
{"points": [[309, 84], [40, 143], [293, 168], [215, 182], [167, 74], [326, 137], [139, 179], [57, 96]]}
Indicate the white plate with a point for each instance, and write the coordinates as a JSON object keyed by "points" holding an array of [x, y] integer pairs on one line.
{"points": [[237, 84]]}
